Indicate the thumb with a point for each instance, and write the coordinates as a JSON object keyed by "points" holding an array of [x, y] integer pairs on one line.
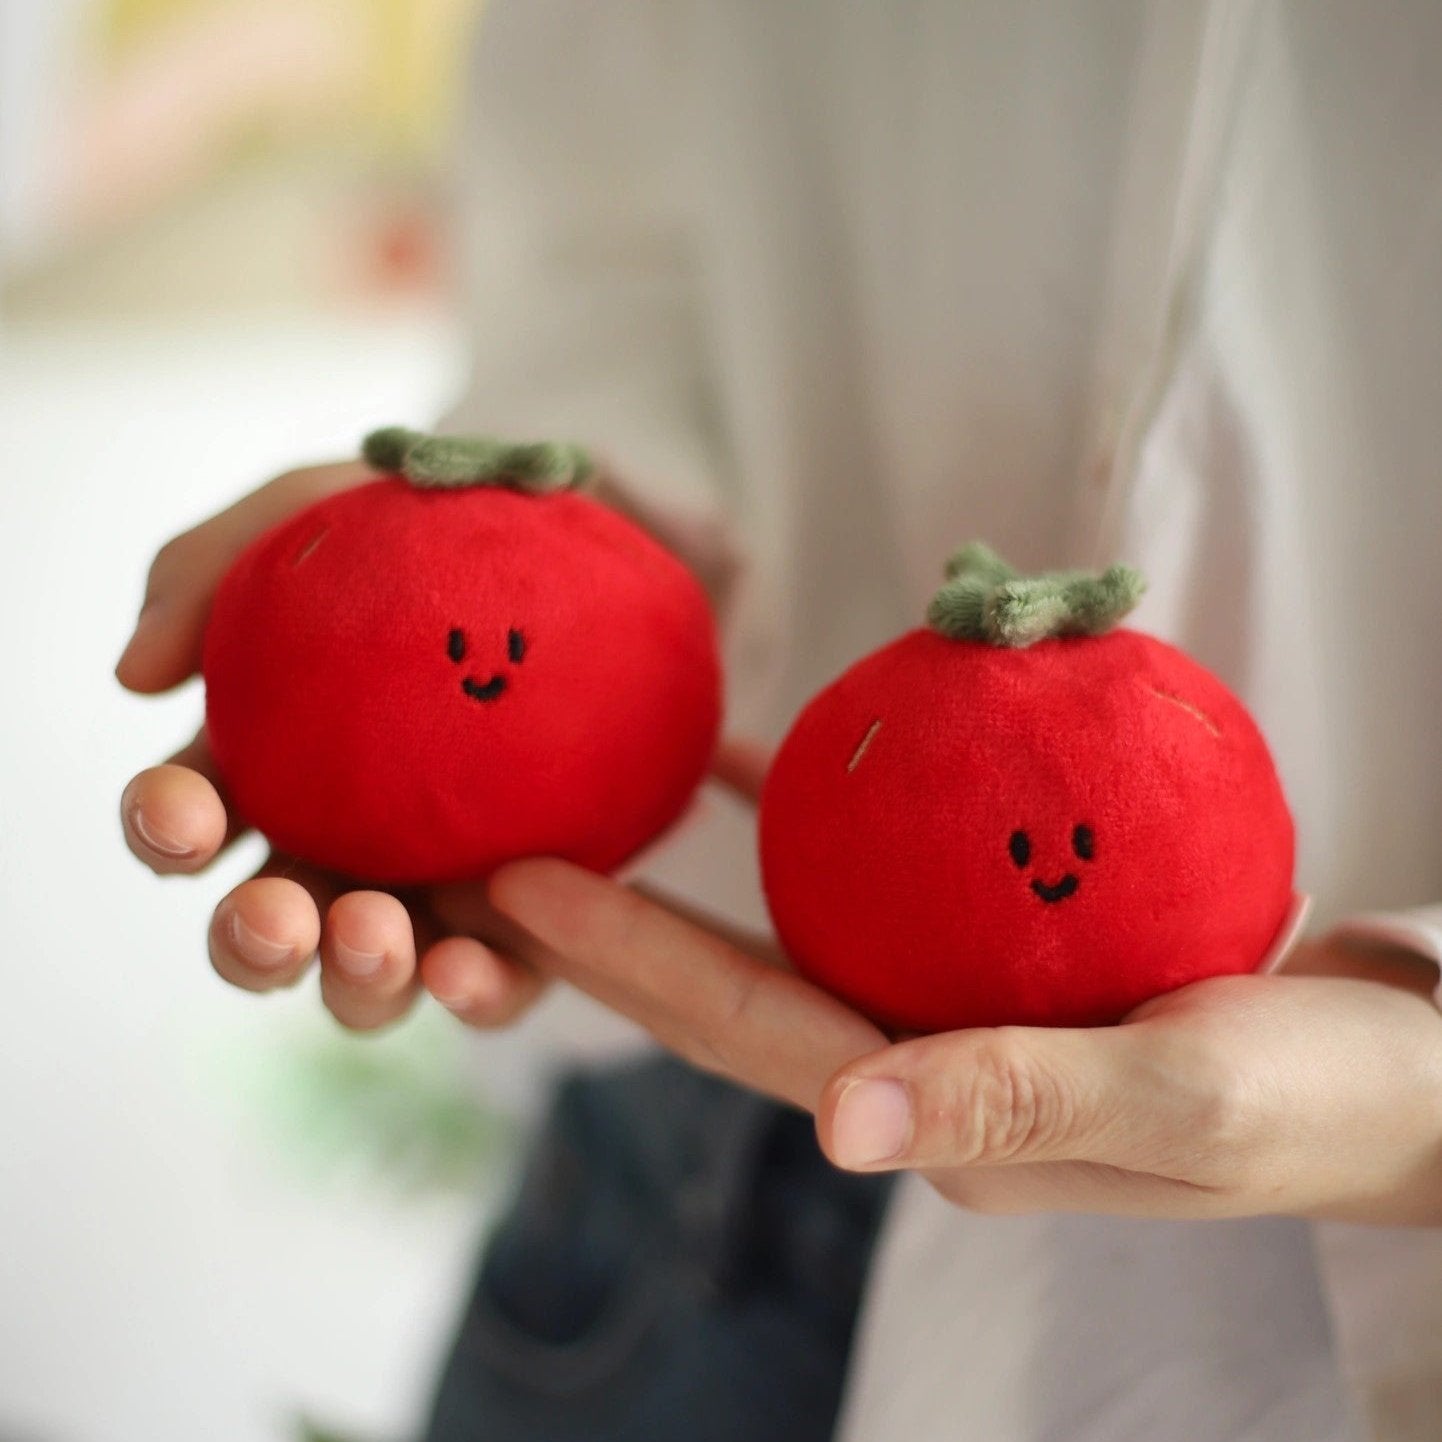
{"points": [[995, 1096]]}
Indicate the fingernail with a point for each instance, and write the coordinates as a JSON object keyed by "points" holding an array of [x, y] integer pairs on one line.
{"points": [[359, 964], [480, 991], [256, 949], [872, 1123], [453, 1000], [156, 840]]}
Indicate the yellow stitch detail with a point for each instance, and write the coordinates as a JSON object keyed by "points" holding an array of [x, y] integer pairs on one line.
{"points": [[861, 750], [1189, 708]]}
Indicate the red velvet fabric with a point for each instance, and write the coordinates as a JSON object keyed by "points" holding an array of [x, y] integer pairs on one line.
{"points": [[337, 659], [892, 871]]}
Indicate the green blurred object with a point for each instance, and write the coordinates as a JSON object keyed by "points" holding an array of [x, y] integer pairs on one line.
{"points": [[308, 1431], [398, 1109]]}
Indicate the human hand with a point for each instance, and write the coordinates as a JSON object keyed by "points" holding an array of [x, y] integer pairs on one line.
{"points": [[373, 946], [1315, 1093], [376, 949]]}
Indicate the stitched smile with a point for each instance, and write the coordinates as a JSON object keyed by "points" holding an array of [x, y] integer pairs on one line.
{"points": [[1057, 892], [488, 692]]}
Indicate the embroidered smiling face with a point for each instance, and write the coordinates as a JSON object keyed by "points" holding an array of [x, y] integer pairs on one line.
{"points": [[413, 685], [1083, 845], [492, 689], [958, 834]]}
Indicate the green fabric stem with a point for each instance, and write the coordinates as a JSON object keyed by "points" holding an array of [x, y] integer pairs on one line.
{"points": [[535, 467], [984, 599]]}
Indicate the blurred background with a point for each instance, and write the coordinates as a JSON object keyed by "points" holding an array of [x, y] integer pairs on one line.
{"points": [[220, 256]]}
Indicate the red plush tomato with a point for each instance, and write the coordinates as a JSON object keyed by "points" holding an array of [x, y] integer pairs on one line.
{"points": [[1020, 816], [449, 668]]}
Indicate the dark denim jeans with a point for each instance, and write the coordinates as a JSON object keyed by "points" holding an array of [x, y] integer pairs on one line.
{"points": [[680, 1263]]}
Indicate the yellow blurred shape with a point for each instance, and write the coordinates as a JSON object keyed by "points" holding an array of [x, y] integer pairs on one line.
{"points": [[405, 88]]}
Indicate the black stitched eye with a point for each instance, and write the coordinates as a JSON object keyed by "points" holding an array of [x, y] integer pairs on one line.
{"points": [[1020, 847], [1083, 842], [515, 646], [456, 646]]}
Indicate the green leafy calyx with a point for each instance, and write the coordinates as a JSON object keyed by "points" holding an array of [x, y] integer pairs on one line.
{"points": [[535, 467], [984, 599]]}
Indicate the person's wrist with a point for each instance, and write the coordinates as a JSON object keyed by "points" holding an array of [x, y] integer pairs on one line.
{"points": [[1357, 958], [1413, 1196]]}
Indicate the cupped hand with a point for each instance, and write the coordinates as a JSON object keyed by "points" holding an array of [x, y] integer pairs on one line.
{"points": [[1315, 1093], [376, 949], [1306, 1094], [372, 945]]}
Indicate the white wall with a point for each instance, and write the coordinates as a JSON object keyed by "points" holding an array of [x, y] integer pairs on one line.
{"points": [[164, 1273]]}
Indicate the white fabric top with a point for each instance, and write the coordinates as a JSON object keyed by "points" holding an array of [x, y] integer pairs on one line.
{"points": [[1153, 281]]}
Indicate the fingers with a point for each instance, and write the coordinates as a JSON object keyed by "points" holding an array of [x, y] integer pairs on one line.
{"points": [[174, 819], [368, 960], [1009, 1095], [700, 996], [484, 974], [165, 647], [753, 943], [264, 933], [741, 764], [480, 986], [176, 816]]}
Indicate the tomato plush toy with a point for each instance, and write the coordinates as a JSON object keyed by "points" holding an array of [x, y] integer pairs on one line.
{"points": [[1022, 815], [465, 661]]}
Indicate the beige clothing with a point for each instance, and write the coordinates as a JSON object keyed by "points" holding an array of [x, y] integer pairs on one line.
{"points": [[1099, 280]]}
